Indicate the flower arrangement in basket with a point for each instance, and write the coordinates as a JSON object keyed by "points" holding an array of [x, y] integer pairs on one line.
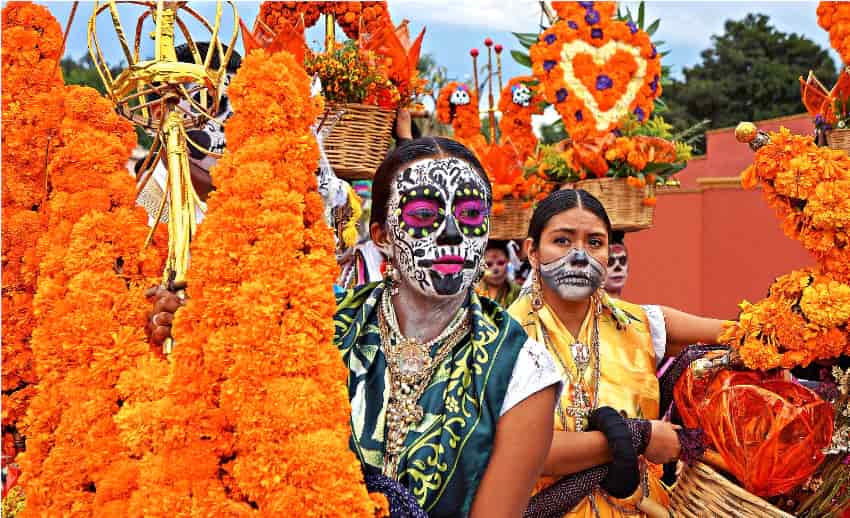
{"points": [[785, 444], [365, 79], [503, 153], [600, 70]]}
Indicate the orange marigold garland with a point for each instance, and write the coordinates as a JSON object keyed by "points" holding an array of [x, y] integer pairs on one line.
{"points": [[596, 74], [518, 102], [352, 17], [254, 413], [807, 186], [457, 104], [90, 312], [834, 18], [31, 111], [804, 318]]}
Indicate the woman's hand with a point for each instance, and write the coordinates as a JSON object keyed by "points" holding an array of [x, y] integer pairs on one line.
{"points": [[664, 443], [403, 124], [165, 304]]}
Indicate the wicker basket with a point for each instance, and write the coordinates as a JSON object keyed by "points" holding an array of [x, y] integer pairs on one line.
{"points": [[358, 142], [839, 139], [623, 203], [511, 223], [702, 492]]}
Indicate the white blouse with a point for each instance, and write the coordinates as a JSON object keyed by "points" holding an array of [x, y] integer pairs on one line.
{"points": [[534, 370]]}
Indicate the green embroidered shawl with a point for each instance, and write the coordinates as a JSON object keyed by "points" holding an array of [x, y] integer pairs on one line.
{"points": [[447, 452]]}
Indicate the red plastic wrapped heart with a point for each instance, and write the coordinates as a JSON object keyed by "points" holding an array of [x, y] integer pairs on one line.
{"points": [[770, 432]]}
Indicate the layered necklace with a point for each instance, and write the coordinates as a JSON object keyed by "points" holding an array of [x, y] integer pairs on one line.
{"points": [[581, 356], [410, 367]]}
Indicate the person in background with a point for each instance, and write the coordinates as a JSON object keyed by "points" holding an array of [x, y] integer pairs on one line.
{"points": [[618, 265], [496, 284]]}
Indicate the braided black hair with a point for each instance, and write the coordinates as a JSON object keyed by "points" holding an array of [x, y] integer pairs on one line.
{"points": [[411, 151], [562, 201]]}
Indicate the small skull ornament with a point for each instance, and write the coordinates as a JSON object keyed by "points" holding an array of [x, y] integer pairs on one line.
{"points": [[460, 96], [521, 95]]}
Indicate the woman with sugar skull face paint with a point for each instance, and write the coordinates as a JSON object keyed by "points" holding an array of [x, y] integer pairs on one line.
{"points": [[607, 417], [448, 395]]}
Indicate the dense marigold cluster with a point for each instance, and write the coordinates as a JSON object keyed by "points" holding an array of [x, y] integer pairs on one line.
{"points": [[353, 17], [515, 124], [31, 111], [834, 18], [253, 413], [90, 312], [808, 187], [804, 318], [588, 95], [464, 118]]}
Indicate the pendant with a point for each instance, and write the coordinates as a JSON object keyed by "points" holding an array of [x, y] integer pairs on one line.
{"points": [[581, 355], [580, 409], [412, 358]]}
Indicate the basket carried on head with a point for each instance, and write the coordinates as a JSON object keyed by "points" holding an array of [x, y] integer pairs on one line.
{"points": [[839, 139], [623, 203], [511, 223], [701, 491], [359, 141]]}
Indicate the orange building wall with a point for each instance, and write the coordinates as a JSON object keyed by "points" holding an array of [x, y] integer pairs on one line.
{"points": [[713, 243]]}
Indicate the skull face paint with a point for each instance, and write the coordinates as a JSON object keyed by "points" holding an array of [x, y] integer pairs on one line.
{"points": [[618, 269], [438, 217], [460, 96], [575, 276]]}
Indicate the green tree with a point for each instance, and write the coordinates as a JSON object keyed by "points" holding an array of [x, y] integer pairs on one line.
{"points": [[750, 73], [436, 77]]}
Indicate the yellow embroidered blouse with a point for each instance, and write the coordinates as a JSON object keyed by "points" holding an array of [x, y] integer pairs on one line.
{"points": [[627, 382]]}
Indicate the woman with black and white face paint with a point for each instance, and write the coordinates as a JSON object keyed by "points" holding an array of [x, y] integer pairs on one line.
{"points": [[448, 395], [607, 352]]}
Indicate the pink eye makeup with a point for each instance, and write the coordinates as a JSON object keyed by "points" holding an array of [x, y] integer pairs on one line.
{"points": [[471, 210], [421, 211]]}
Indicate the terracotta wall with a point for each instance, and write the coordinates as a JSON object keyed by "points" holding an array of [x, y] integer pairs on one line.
{"points": [[713, 243]]}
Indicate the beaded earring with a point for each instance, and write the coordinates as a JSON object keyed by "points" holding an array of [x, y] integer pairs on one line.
{"points": [[536, 291], [391, 277]]}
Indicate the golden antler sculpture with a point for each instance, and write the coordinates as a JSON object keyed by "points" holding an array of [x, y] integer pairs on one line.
{"points": [[173, 82]]}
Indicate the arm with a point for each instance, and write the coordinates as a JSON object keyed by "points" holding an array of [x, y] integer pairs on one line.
{"points": [[572, 452], [523, 436], [685, 329]]}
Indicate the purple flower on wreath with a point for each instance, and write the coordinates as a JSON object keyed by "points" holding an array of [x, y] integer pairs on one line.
{"points": [[586, 5], [603, 82], [550, 39], [596, 34], [654, 52], [639, 113], [579, 116], [561, 95], [549, 65], [616, 132], [572, 25], [654, 84], [632, 26], [592, 17]]}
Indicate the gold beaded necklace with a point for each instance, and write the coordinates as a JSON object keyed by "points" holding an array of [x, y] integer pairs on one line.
{"points": [[410, 367]]}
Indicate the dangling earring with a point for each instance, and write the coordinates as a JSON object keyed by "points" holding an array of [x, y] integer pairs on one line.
{"points": [[391, 277], [536, 291]]}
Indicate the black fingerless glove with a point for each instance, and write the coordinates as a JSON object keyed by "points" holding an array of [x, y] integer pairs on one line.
{"points": [[623, 476]]}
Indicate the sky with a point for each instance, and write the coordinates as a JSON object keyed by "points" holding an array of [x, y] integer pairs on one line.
{"points": [[456, 26]]}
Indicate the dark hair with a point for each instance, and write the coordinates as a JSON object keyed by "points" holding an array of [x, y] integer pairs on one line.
{"points": [[498, 244], [562, 201], [184, 55], [411, 151], [618, 238]]}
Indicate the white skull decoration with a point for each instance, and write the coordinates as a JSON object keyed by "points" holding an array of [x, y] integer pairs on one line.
{"points": [[211, 135], [521, 95], [460, 96]]}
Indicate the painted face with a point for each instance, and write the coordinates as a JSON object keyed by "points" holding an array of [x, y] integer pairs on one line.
{"points": [[575, 276], [496, 267], [438, 218], [211, 135], [618, 268], [521, 95]]}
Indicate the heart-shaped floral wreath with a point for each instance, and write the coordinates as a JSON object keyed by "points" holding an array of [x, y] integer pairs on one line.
{"points": [[596, 71]]}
